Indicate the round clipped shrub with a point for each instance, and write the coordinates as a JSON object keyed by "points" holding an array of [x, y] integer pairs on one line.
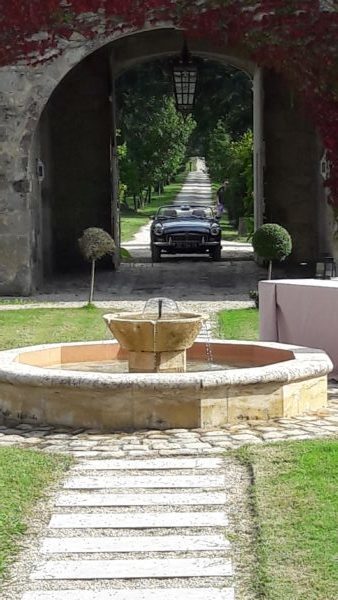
{"points": [[272, 242], [96, 243]]}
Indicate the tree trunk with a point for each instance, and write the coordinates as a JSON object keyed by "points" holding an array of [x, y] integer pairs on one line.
{"points": [[270, 270], [92, 278], [135, 202]]}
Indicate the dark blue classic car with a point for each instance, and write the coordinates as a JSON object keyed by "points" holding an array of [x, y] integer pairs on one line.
{"points": [[185, 229]]}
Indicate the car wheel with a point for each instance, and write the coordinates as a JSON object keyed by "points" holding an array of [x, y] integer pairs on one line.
{"points": [[155, 254], [215, 253]]}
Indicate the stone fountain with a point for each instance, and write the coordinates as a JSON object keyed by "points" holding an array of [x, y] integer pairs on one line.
{"points": [[173, 380], [156, 339]]}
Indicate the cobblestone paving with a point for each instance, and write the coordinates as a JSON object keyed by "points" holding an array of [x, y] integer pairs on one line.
{"points": [[173, 442]]}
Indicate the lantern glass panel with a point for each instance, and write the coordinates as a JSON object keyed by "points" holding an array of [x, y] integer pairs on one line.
{"points": [[185, 79]]}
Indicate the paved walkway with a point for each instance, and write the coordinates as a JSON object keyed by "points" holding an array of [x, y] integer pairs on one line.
{"points": [[149, 515], [137, 530]]}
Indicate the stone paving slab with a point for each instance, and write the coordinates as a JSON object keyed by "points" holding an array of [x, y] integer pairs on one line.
{"points": [[188, 498], [156, 464], [133, 569], [137, 520], [146, 481], [132, 594], [167, 543]]}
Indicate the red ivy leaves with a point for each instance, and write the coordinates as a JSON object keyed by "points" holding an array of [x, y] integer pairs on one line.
{"points": [[294, 37]]}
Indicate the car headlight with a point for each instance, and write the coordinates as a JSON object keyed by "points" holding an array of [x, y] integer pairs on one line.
{"points": [[215, 229], [158, 229]]}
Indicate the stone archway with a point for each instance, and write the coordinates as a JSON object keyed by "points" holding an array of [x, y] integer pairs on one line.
{"points": [[291, 159]]}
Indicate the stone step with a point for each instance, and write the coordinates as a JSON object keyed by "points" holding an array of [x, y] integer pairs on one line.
{"points": [[150, 464], [133, 569], [145, 481], [167, 543], [132, 594], [137, 520], [187, 498]]}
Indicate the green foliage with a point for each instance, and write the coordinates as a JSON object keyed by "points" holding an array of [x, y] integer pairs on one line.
{"points": [[223, 93], [272, 242], [233, 160], [153, 136], [96, 243], [218, 155]]}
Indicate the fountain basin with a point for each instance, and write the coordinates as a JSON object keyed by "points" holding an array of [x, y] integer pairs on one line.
{"points": [[277, 380]]}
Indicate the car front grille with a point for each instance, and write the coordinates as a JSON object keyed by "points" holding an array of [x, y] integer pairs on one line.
{"points": [[186, 240]]}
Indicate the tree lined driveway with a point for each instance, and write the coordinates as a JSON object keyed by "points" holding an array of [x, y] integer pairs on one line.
{"points": [[196, 190]]}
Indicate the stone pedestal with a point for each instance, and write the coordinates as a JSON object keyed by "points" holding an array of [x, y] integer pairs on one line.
{"points": [[157, 362]]}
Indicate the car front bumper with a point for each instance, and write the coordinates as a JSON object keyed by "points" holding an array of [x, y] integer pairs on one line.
{"points": [[185, 244]]}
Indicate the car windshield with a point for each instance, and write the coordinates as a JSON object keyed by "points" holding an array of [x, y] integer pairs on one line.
{"points": [[185, 212]]}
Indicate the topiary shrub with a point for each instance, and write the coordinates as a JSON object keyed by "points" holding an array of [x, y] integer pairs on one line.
{"points": [[94, 244], [272, 242]]}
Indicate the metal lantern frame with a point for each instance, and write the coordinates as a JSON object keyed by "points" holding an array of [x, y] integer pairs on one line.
{"points": [[185, 76], [325, 267]]}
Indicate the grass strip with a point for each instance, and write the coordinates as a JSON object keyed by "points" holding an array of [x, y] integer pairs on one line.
{"points": [[242, 324], [294, 497], [24, 476], [51, 325], [25, 327]]}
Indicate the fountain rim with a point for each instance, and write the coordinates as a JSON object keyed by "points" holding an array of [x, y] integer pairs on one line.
{"points": [[132, 317], [307, 363]]}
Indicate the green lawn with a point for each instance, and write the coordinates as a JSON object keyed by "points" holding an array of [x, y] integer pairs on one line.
{"points": [[294, 497], [131, 221], [24, 476], [240, 324], [48, 325], [25, 327]]}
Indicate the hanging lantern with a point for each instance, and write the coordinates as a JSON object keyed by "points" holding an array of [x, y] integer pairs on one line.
{"points": [[185, 80]]}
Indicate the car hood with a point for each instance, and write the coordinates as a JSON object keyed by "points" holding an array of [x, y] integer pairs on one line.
{"points": [[192, 225]]}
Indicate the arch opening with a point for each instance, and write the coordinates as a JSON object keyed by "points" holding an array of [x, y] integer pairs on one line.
{"points": [[75, 141], [74, 144]]}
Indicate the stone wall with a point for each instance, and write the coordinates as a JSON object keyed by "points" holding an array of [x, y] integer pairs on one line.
{"points": [[24, 91], [293, 186]]}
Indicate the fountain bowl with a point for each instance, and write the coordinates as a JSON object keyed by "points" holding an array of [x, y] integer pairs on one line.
{"points": [[273, 380], [145, 332]]}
